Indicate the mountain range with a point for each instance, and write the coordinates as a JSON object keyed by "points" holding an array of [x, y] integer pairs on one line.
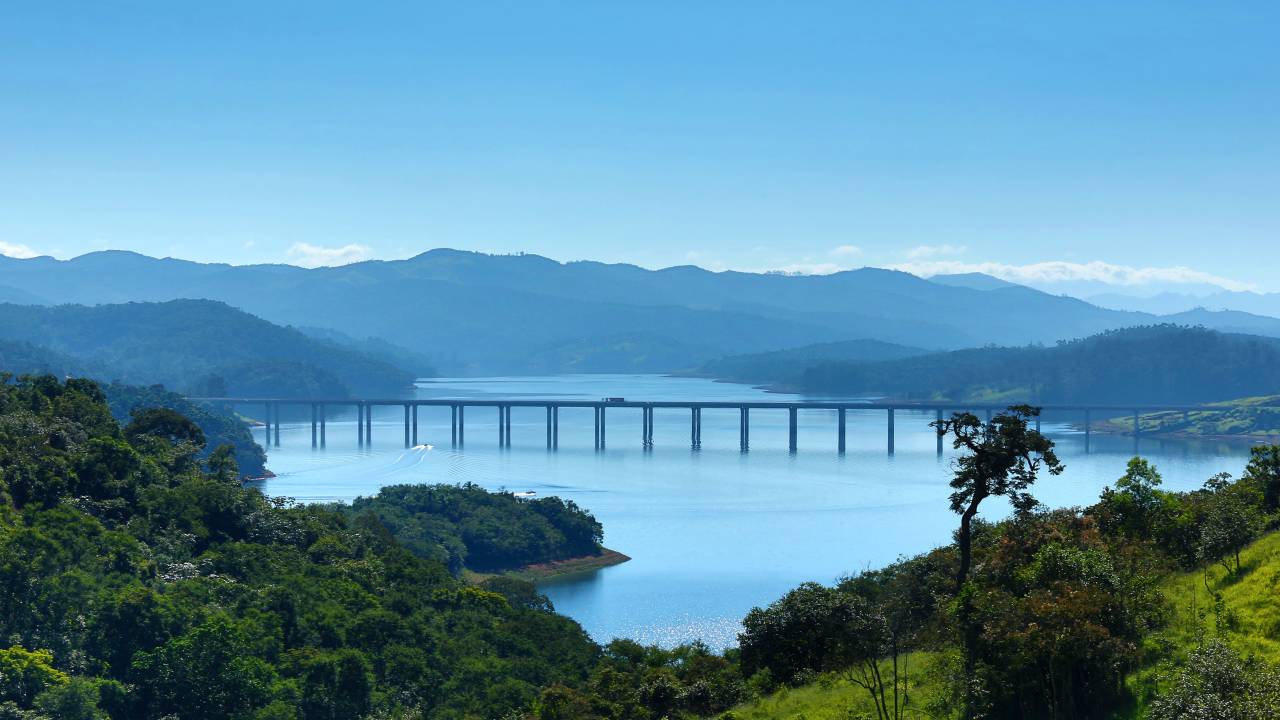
{"points": [[472, 313]]}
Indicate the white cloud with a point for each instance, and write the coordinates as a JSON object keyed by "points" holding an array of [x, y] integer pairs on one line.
{"points": [[1058, 271], [807, 268], [17, 250], [311, 256], [846, 251], [924, 252]]}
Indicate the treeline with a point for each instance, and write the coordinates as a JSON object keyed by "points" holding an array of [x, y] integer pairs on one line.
{"points": [[193, 347], [1157, 364], [219, 426], [467, 526]]}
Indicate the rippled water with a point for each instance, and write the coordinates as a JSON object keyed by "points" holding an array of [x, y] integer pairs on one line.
{"points": [[712, 532]]}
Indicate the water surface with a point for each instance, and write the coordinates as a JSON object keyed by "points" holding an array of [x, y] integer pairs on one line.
{"points": [[712, 532]]}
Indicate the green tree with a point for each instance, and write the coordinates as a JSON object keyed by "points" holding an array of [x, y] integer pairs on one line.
{"points": [[1217, 684], [24, 674], [1002, 459]]}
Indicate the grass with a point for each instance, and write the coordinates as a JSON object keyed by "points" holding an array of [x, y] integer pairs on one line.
{"points": [[1245, 613], [833, 698], [1254, 419]]}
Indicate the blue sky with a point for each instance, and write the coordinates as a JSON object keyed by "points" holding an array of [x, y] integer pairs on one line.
{"points": [[1137, 142]]}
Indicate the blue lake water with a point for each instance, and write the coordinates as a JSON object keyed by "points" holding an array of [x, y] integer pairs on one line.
{"points": [[712, 532]]}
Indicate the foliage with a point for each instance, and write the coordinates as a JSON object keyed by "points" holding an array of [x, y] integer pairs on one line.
{"points": [[1217, 684], [147, 588], [219, 425], [466, 526]]}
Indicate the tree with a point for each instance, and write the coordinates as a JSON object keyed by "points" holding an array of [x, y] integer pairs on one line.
{"points": [[1229, 526], [164, 423], [24, 674], [1003, 459], [1217, 684], [1263, 471]]}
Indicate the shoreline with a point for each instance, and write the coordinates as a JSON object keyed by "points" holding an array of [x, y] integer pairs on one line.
{"points": [[538, 572]]}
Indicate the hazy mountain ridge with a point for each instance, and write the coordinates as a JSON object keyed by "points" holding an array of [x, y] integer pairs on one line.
{"points": [[186, 345], [476, 313]]}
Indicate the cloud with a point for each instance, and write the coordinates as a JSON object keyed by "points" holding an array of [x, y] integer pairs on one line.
{"points": [[925, 252], [1058, 271], [846, 251], [311, 256], [17, 250]]}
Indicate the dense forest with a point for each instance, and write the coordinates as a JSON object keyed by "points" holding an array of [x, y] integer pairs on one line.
{"points": [[219, 426], [191, 346], [1157, 364], [465, 526], [138, 581]]}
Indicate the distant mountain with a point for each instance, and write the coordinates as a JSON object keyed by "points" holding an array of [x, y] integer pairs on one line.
{"points": [[1159, 364], [787, 367], [1267, 304], [474, 313], [973, 281], [189, 346]]}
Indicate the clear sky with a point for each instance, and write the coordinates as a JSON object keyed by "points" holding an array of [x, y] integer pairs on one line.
{"points": [[1141, 137]]}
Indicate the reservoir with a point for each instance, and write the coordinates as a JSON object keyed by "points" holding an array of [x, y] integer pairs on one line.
{"points": [[712, 532]]}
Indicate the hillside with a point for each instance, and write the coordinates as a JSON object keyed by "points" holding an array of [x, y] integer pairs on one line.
{"points": [[1255, 419], [195, 346], [1157, 364], [786, 367], [473, 313]]}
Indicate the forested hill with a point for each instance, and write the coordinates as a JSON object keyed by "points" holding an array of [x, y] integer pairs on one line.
{"points": [[1156, 364], [478, 313], [195, 346]]}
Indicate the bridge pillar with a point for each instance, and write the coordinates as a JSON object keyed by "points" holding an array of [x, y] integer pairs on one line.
{"points": [[744, 428], [323, 417], [502, 415], [507, 425], [548, 427], [1037, 423], [453, 425], [313, 424], [602, 427], [277, 414], [840, 430], [415, 425], [938, 426], [792, 429], [368, 424], [644, 426], [555, 427], [462, 425], [890, 431], [1087, 424]]}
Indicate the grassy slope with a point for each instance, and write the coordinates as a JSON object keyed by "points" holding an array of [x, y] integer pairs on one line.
{"points": [[1249, 619], [1257, 420]]}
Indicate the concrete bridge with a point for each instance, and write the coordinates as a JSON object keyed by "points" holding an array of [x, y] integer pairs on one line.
{"points": [[458, 407]]}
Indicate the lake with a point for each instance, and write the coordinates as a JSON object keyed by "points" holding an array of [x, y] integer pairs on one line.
{"points": [[712, 532]]}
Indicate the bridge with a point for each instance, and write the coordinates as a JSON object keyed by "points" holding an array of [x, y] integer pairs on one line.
{"points": [[458, 407]]}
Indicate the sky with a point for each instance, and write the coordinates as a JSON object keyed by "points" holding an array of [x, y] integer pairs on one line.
{"points": [[1134, 144]]}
